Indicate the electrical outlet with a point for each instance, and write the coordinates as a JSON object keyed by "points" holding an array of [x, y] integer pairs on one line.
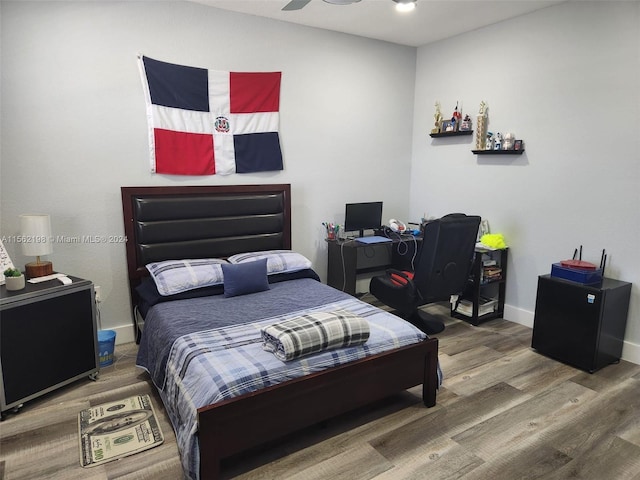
{"points": [[98, 293]]}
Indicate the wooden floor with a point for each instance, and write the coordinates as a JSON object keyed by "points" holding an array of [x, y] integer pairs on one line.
{"points": [[504, 412]]}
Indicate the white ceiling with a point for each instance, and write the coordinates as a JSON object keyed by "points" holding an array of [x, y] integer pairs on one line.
{"points": [[431, 21]]}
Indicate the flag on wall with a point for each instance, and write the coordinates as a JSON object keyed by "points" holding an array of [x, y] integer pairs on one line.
{"points": [[205, 122]]}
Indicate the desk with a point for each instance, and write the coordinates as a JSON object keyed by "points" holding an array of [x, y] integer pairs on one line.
{"points": [[349, 258]]}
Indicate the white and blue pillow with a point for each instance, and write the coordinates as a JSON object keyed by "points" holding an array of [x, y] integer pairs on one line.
{"points": [[176, 276], [172, 277], [278, 261]]}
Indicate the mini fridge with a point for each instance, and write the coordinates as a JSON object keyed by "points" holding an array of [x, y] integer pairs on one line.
{"points": [[581, 325]]}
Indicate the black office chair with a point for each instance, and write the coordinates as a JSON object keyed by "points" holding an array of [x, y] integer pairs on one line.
{"points": [[442, 269]]}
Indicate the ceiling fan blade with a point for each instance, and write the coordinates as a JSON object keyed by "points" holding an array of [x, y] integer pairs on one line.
{"points": [[295, 4]]}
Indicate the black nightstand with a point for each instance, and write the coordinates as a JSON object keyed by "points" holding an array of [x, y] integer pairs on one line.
{"points": [[48, 338]]}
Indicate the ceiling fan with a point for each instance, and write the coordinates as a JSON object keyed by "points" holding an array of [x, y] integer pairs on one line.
{"points": [[298, 4], [401, 5]]}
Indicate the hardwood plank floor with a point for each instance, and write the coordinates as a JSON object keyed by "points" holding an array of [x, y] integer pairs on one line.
{"points": [[504, 412]]}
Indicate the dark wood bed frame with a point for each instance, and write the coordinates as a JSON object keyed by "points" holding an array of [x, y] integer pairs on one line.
{"points": [[218, 221]]}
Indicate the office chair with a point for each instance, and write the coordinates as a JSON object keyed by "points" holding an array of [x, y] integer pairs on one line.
{"points": [[442, 269]]}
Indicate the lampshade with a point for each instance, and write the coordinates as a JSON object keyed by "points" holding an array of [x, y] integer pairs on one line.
{"points": [[35, 231]]}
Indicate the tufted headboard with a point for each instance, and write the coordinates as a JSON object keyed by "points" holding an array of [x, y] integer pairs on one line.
{"points": [[168, 223]]}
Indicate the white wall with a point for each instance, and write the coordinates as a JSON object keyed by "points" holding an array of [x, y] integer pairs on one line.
{"points": [[74, 131], [565, 79]]}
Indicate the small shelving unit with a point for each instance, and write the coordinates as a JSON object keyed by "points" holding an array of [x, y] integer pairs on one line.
{"points": [[451, 134], [498, 152], [483, 298]]}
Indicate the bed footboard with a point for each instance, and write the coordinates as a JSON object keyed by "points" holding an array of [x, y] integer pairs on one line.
{"points": [[238, 424]]}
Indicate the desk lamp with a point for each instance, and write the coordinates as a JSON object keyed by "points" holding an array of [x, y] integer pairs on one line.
{"points": [[36, 233]]}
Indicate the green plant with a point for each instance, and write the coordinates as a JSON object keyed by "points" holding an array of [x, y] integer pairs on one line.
{"points": [[12, 272]]}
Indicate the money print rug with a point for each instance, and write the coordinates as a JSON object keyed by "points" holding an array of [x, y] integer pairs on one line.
{"points": [[117, 429]]}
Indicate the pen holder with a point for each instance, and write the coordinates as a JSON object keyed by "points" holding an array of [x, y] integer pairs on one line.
{"points": [[332, 231]]}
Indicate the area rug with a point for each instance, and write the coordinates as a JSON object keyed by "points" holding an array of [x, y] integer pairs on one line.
{"points": [[117, 429]]}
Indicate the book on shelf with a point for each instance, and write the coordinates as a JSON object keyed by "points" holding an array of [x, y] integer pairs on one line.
{"points": [[491, 273], [486, 305]]}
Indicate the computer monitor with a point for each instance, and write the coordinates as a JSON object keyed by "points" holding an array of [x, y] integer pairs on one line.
{"points": [[362, 216]]}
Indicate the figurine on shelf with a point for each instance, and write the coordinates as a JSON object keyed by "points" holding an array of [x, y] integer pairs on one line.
{"points": [[508, 141], [465, 126], [438, 119], [488, 144], [481, 129], [497, 141], [483, 109], [455, 117]]}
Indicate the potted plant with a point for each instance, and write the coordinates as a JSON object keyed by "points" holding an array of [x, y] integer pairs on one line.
{"points": [[14, 279]]}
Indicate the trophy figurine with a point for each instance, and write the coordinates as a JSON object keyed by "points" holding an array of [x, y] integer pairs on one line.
{"points": [[438, 119], [481, 133]]}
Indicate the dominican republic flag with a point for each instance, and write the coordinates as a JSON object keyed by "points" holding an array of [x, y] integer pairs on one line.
{"points": [[205, 122]]}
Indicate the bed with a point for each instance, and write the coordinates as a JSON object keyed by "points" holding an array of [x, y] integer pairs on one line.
{"points": [[164, 224]]}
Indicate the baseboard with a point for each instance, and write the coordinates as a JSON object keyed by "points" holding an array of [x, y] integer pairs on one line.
{"points": [[630, 351], [518, 315], [124, 334]]}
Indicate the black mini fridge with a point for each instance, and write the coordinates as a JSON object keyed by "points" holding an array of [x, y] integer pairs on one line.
{"points": [[581, 325]]}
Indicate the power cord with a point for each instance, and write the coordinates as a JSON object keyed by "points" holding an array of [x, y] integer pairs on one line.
{"points": [[402, 244], [344, 268]]}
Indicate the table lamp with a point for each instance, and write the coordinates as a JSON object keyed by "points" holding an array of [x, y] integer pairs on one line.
{"points": [[36, 233]]}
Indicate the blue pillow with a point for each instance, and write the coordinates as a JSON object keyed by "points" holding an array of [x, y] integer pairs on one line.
{"points": [[243, 278]]}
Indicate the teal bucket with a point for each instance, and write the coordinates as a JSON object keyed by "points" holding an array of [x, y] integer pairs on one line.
{"points": [[106, 346]]}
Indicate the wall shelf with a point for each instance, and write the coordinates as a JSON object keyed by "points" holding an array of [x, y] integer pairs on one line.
{"points": [[498, 152], [451, 134]]}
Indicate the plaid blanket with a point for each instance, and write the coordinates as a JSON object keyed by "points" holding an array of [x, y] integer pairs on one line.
{"points": [[314, 332]]}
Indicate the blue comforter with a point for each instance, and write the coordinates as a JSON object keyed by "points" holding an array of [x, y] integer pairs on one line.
{"points": [[204, 350]]}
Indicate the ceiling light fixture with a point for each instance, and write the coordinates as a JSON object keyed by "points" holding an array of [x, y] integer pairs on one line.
{"points": [[405, 5]]}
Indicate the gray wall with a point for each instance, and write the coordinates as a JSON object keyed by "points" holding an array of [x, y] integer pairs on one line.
{"points": [[74, 125], [565, 79]]}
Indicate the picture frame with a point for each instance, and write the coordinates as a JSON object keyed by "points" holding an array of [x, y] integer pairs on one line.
{"points": [[448, 126], [517, 145], [5, 262]]}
